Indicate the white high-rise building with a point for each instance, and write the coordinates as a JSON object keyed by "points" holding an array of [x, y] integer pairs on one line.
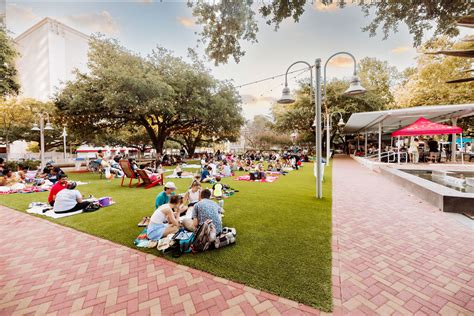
{"points": [[3, 13], [49, 52]]}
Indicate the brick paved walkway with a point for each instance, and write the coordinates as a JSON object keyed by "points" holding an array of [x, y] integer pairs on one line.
{"points": [[50, 269], [392, 252]]}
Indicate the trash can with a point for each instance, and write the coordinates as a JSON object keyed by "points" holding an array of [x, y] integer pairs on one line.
{"points": [[78, 162]]}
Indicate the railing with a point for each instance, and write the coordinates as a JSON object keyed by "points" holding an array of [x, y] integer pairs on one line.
{"points": [[392, 156]]}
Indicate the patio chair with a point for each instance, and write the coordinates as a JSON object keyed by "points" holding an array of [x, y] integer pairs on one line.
{"points": [[147, 182], [128, 172]]}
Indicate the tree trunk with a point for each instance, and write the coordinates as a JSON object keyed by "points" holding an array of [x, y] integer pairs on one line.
{"points": [[7, 150], [157, 139]]}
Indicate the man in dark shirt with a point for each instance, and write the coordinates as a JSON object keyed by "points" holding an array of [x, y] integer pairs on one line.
{"points": [[433, 145]]}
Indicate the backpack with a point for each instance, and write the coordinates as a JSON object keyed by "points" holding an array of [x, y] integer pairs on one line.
{"points": [[204, 236], [94, 206]]}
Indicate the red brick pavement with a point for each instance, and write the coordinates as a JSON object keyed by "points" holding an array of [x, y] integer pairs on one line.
{"points": [[394, 253], [50, 269]]}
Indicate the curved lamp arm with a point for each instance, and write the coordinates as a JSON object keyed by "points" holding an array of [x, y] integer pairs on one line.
{"points": [[311, 76], [327, 61]]}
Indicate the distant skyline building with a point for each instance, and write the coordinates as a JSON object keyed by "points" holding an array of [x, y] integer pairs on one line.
{"points": [[3, 13], [49, 52]]}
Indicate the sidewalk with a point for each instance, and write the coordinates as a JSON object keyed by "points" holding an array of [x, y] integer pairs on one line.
{"points": [[50, 269], [394, 253]]}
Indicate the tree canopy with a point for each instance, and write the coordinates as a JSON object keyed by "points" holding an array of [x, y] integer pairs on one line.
{"points": [[162, 93], [378, 77], [227, 23], [8, 83]]}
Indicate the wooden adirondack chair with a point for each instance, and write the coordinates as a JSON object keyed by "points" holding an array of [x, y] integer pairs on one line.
{"points": [[147, 182], [128, 172]]}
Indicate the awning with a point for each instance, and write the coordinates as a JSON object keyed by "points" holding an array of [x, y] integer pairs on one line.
{"points": [[392, 120], [423, 126]]}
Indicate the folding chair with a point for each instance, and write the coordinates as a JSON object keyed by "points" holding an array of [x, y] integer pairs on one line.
{"points": [[128, 172], [147, 182]]}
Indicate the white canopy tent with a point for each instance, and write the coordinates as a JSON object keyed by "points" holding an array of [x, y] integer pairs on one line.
{"points": [[386, 122]]}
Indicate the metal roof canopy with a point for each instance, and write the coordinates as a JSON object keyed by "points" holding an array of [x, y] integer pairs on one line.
{"points": [[393, 120]]}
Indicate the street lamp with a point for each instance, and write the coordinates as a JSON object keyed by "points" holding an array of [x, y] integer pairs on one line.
{"points": [[355, 88], [64, 135], [41, 128], [287, 98]]}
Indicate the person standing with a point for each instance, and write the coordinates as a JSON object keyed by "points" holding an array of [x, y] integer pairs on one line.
{"points": [[413, 151]]}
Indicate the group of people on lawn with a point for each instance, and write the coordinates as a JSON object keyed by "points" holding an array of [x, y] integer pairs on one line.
{"points": [[173, 211], [22, 177]]}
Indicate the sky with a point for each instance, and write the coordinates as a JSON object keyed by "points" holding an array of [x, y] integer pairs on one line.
{"points": [[141, 25]]}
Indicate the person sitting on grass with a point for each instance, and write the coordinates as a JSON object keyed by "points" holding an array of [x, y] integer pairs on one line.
{"points": [[2, 164], [207, 209], [206, 174], [69, 200], [193, 195], [218, 191], [164, 197], [260, 170], [54, 175], [165, 219], [8, 178], [46, 171], [56, 188]]}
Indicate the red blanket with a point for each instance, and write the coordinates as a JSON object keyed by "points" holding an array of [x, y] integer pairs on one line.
{"points": [[269, 179]]}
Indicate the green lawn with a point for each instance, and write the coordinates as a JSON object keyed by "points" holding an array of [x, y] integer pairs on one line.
{"points": [[283, 233]]}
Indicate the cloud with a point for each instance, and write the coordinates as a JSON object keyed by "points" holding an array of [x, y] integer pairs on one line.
{"points": [[21, 14], [184, 21], [341, 61], [401, 49], [254, 100], [319, 6], [102, 22]]}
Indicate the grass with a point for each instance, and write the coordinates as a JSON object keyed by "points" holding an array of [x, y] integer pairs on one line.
{"points": [[283, 233]]}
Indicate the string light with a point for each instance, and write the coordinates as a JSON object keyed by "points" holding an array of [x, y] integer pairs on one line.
{"points": [[270, 78]]}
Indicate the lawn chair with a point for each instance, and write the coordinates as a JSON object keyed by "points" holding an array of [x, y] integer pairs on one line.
{"points": [[147, 182], [128, 172]]}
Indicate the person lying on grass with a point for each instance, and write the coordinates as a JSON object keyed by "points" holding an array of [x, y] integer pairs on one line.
{"points": [[69, 200], [165, 219], [56, 188]]}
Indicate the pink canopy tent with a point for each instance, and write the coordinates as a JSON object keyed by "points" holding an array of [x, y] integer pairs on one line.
{"points": [[423, 126]]}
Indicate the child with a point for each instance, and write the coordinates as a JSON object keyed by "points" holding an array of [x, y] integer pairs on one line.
{"points": [[218, 192]]}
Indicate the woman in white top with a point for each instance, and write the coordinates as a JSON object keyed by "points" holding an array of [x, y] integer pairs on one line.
{"points": [[69, 200], [413, 150], [165, 220], [193, 195]]}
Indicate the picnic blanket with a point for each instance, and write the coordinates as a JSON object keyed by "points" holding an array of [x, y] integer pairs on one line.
{"points": [[45, 209], [269, 179], [175, 176], [8, 190], [191, 166]]}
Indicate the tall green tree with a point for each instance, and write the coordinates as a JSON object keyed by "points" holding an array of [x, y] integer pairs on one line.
{"points": [[219, 121], [227, 23], [161, 93], [8, 83], [426, 83]]}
